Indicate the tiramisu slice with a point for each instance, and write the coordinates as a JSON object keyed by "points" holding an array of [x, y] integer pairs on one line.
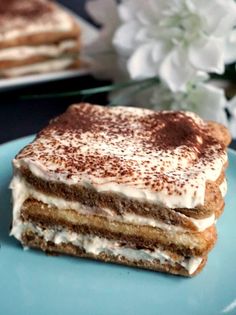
{"points": [[124, 185], [36, 34]]}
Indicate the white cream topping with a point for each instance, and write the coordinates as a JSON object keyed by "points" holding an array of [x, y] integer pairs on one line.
{"points": [[23, 191], [187, 200], [96, 245], [41, 67], [24, 52], [57, 21], [182, 165]]}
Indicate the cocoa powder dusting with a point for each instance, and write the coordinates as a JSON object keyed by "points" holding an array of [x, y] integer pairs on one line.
{"points": [[176, 130], [162, 130], [153, 150], [27, 9]]}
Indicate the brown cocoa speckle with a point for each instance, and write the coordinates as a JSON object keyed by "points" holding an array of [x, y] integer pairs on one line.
{"points": [[141, 148]]}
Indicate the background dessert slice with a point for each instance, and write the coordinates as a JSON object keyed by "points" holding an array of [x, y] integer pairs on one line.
{"points": [[35, 22], [37, 36], [53, 65], [26, 55], [109, 164]]}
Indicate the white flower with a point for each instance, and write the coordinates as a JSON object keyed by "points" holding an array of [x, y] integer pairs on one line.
{"points": [[204, 99], [231, 106], [230, 47], [174, 39], [103, 59], [105, 13]]}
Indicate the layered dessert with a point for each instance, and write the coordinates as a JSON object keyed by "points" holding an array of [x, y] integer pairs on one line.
{"points": [[36, 36], [123, 185]]}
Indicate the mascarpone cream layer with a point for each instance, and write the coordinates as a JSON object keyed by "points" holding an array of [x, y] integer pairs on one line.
{"points": [[41, 67], [22, 191], [23, 52], [96, 245]]}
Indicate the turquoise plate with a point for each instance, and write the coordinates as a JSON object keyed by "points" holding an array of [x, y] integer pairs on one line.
{"points": [[34, 283]]}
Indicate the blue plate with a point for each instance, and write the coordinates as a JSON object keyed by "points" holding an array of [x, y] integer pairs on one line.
{"points": [[34, 283]]}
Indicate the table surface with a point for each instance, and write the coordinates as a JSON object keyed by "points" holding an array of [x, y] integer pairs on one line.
{"points": [[19, 118]]}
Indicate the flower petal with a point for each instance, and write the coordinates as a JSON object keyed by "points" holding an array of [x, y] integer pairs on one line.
{"points": [[98, 9], [230, 47], [128, 9], [109, 22], [141, 64], [125, 37], [209, 102], [175, 70], [219, 16], [207, 54]]}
